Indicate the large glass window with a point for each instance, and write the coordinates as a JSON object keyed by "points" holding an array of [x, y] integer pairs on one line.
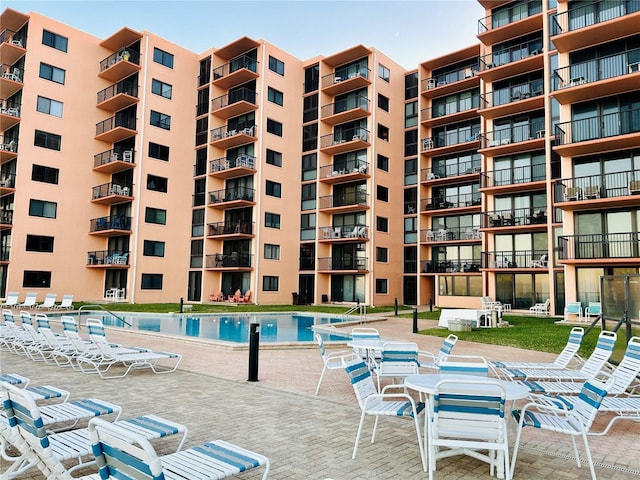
{"points": [[153, 248], [40, 173], [155, 215], [160, 120], [161, 88], [49, 106], [39, 243], [47, 140], [41, 208], [54, 40], [162, 57], [49, 72], [276, 65], [151, 281], [275, 96]]}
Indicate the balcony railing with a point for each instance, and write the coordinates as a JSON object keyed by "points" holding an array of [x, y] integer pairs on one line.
{"points": [[5, 252], [125, 54], [343, 136], [514, 93], [231, 195], [229, 228], [11, 108], [126, 87], [450, 138], [450, 233], [8, 144], [229, 260], [114, 122], [442, 110], [113, 222], [8, 180], [342, 263], [510, 54], [598, 246], [512, 259], [509, 15], [113, 155], [452, 201], [236, 64], [243, 160], [519, 133], [344, 200], [599, 126], [345, 73], [351, 166], [344, 231], [451, 266], [451, 170], [346, 104], [10, 72], [513, 217], [107, 257], [514, 176], [591, 14], [611, 66], [605, 185], [307, 263], [226, 131], [110, 189], [9, 36], [448, 77], [6, 217], [240, 95]]}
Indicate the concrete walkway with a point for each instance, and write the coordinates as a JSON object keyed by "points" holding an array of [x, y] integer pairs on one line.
{"points": [[307, 436]]}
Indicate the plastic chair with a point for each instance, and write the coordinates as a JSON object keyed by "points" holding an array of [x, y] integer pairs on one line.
{"points": [[331, 361]]}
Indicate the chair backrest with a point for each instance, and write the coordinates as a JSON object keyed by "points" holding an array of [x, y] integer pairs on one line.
{"points": [[122, 454], [398, 358], [361, 381], [247, 296], [7, 316], [25, 318], [68, 324], [67, 301], [589, 399], [571, 348], [99, 337], [573, 307], [594, 308], [12, 298], [320, 342], [363, 333], [30, 299], [464, 365], [49, 300], [599, 356], [447, 346], [628, 368]]}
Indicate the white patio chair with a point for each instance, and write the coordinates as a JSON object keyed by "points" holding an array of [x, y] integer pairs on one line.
{"points": [[594, 309], [29, 301], [381, 404], [11, 299], [66, 303], [331, 361], [573, 308], [472, 365], [541, 308], [49, 301], [397, 360], [365, 333], [430, 361]]}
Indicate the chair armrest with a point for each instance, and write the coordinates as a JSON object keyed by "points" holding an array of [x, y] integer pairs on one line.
{"points": [[340, 354]]}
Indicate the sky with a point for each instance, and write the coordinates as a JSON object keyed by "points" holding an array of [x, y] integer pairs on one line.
{"points": [[407, 31]]}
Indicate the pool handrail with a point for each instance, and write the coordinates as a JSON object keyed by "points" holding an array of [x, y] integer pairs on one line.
{"points": [[101, 308]]}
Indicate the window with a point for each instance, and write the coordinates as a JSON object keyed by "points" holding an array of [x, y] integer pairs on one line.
{"points": [[271, 220], [382, 193], [274, 158], [275, 96], [383, 163], [382, 285], [308, 196], [153, 248], [273, 189], [160, 88], [310, 108], [36, 279], [276, 65], [40, 173], [161, 152], [383, 132], [382, 224], [309, 166], [271, 252], [39, 243], [310, 137], [54, 40], [160, 120], [383, 102], [157, 184], [49, 72], [274, 127], [162, 57], [382, 254], [155, 215], [383, 72], [47, 140], [48, 106], [151, 281], [40, 208], [410, 114], [269, 283]]}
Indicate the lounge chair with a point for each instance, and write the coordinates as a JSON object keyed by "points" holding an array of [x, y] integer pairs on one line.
{"points": [[236, 296], [11, 300], [246, 298], [432, 362], [66, 303], [541, 308], [29, 301], [49, 301], [216, 296]]}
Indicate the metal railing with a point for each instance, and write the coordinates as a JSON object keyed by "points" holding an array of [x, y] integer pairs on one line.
{"points": [[344, 231], [230, 260], [345, 73], [599, 126], [344, 200], [448, 76], [227, 131], [468, 265], [343, 168], [107, 257], [514, 176], [519, 133], [512, 258], [5, 253], [125, 86], [113, 155], [605, 185], [8, 180], [442, 109], [124, 54], [101, 307], [232, 194], [230, 228], [241, 94], [243, 160], [342, 263], [591, 14], [114, 122], [110, 189], [450, 233], [510, 15], [113, 222], [238, 63], [598, 246], [602, 68], [450, 170], [513, 93], [513, 217], [6, 217], [346, 104], [344, 136], [510, 54], [450, 201]]}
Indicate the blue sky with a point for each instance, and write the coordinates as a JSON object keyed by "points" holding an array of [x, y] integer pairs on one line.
{"points": [[408, 31]]}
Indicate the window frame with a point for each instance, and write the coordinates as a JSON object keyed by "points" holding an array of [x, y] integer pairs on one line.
{"points": [[160, 120], [158, 183], [163, 91], [47, 104], [39, 205], [276, 65], [275, 96], [39, 243], [271, 251], [150, 248], [152, 215], [51, 140], [162, 57], [48, 174], [274, 127], [274, 158], [149, 281], [272, 220], [156, 151], [56, 37], [270, 283], [273, 189], [51, 69]]}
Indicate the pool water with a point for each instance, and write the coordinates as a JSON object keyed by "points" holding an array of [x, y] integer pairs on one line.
{"points": [[273, 327]]}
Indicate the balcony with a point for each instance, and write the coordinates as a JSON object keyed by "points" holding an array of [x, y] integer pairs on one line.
{"points": [[513, 139], [616, 248], [345, 172], [512, 259], [229, 261], [605, 76], [344, 202], [107, 258], [115, 128], [457, 80], [6, 218], [347, 263], [241, 70], [12, 46], [346, 79], [600, 133], [232, 198], [7, 183], [450, 173], [226, 137], [451, 141], [464, 110], [9, 114], [345, 232], [604, 20], [118, 96], [110, 225], [119, 65], [230, 229], [8, 148], [344, 140], [515, 218], [307, 263], [232, 167], [235, 103], [10, 81], [5, 253], [607, 190], [512, 22], [346, 110], [469, 265], [511, 61], [449, 234], [511, 100], [451, 201], [515, 179], [113, 161], [111, 193]]}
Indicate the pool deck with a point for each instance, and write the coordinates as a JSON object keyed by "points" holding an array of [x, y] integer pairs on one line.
{"points": [[307, 436]]}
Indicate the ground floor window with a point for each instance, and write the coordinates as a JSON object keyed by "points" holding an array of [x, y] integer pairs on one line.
{"points": [[348, 288], [522, 290], [460, 285]]}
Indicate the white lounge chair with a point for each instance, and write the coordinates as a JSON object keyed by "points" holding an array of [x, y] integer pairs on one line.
{"points": [[541, 308], [49, 301], [66, 303], [29, 301], [11, 300]]}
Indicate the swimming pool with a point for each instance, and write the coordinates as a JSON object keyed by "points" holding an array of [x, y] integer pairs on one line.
{"points": [[234, 328]]}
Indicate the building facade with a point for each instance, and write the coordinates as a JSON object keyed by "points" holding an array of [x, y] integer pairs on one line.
{"points": [[505, 169]]}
